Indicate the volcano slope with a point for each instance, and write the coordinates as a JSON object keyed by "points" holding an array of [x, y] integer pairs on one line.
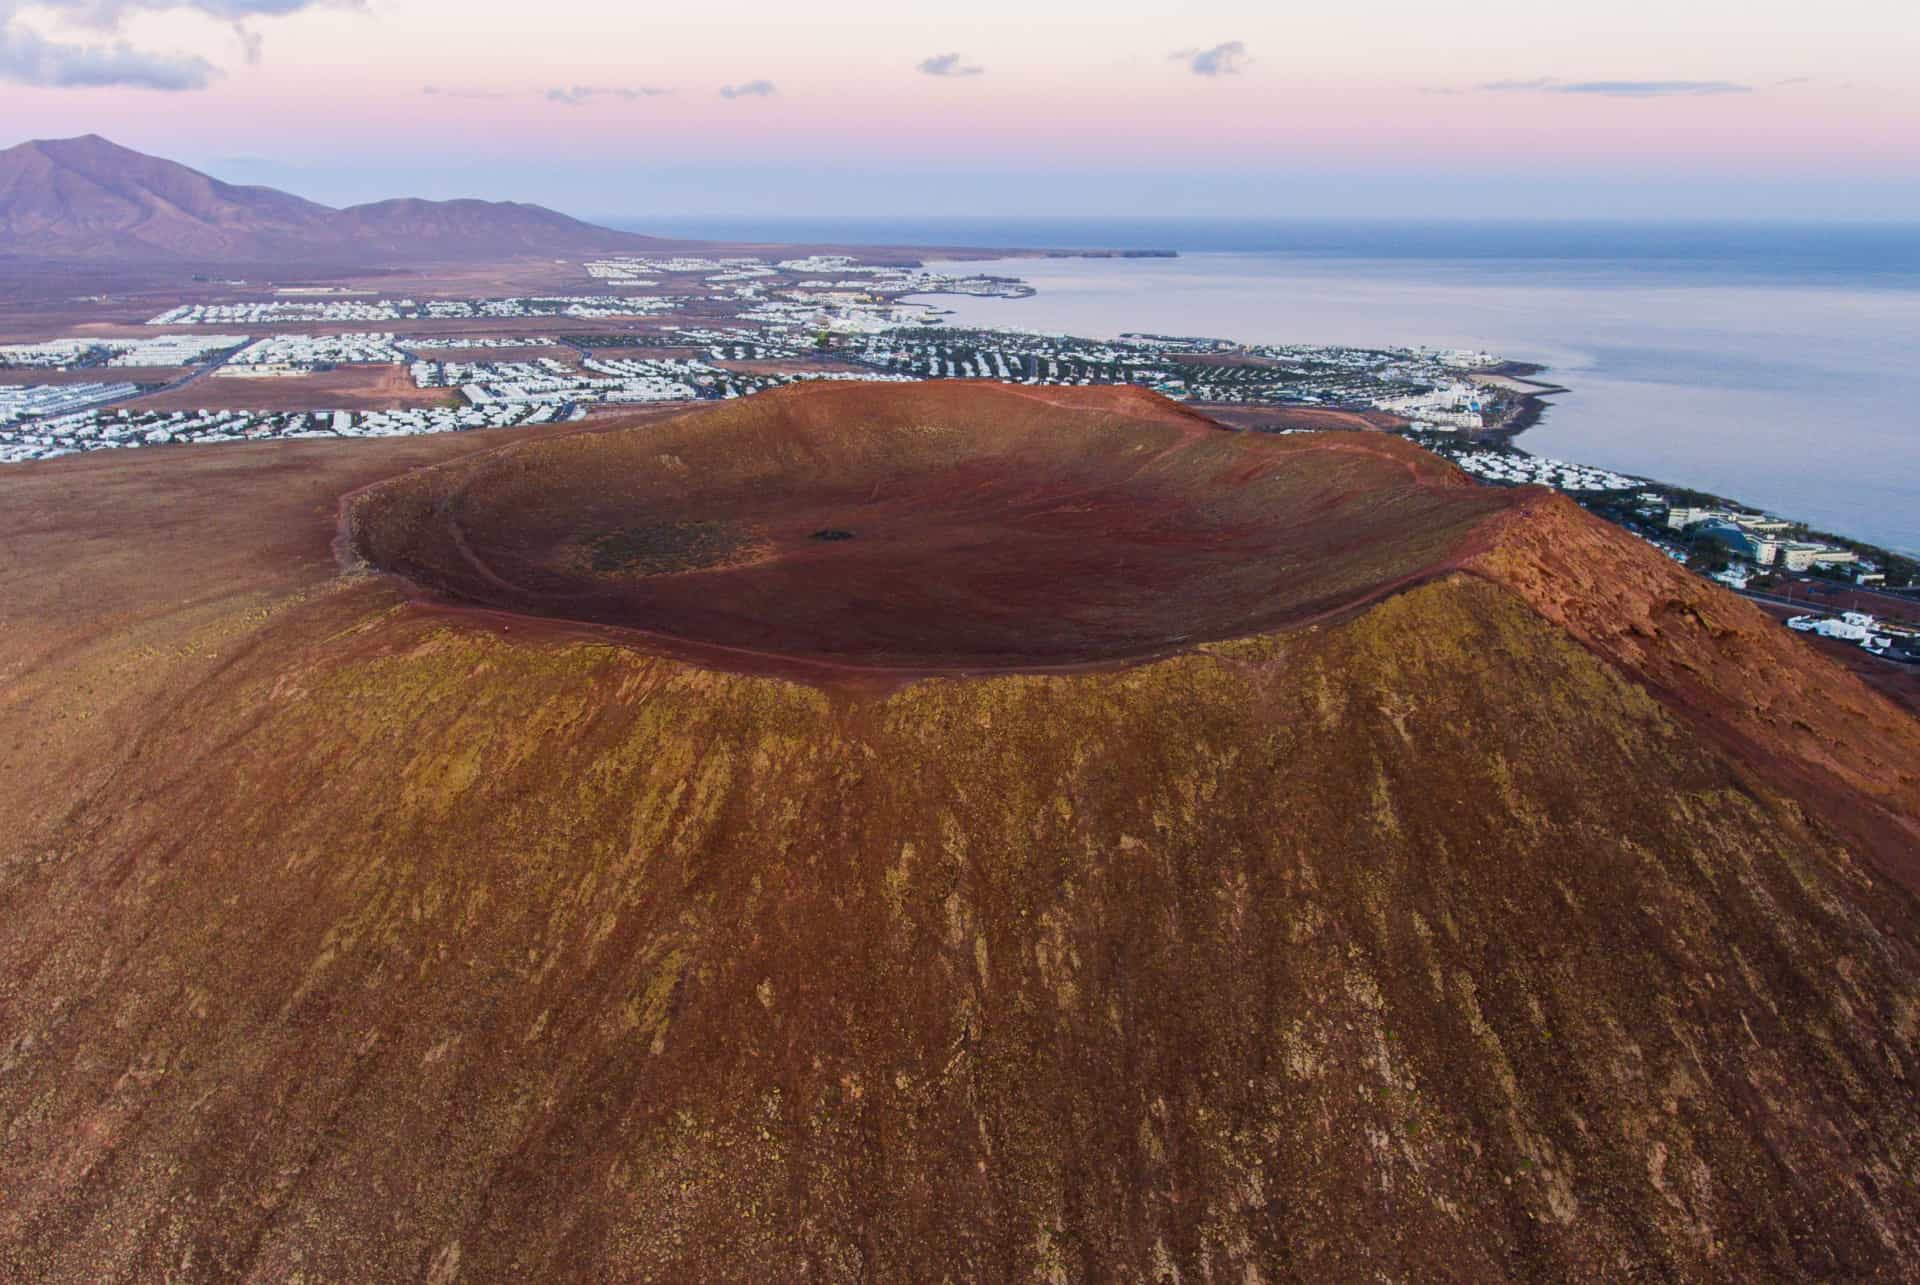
{"points": [[1129, 851]]}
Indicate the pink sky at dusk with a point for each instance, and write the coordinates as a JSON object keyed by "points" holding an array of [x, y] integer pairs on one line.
{"points": [[1771, 89]]}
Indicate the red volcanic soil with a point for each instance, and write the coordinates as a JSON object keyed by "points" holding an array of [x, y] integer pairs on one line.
{"points": [[1308, 417], [1899, 683], [972, 527], [1432, 883]]}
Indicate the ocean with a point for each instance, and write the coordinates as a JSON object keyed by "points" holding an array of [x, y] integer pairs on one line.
{"points": [[1775, 365]]}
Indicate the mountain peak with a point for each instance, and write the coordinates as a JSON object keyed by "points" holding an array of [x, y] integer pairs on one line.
{"points": [[88, 149], [88, 197], [93, 141]]}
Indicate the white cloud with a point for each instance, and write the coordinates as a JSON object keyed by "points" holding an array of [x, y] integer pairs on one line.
{"points": [[949, 65], [27, 57], [1619, 88], [1228, 58], [581, 95], [443, 91]]}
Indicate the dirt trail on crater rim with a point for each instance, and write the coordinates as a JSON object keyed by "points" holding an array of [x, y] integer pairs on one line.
{"points": [[980, 528], [1128, 850]]}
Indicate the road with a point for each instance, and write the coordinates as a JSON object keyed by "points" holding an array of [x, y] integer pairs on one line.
{"points": [[193, 376], [1778, 601], [1826, 596], [199, 373]]}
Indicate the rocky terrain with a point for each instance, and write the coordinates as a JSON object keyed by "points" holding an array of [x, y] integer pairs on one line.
{"points": [[536, 855]]}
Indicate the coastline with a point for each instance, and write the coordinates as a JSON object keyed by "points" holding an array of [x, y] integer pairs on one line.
{"points": [[1535, 395], [1743, 378]]}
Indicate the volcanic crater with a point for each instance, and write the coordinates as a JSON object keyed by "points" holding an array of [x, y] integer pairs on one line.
{"points": [[1540, 912], [931, 528]]}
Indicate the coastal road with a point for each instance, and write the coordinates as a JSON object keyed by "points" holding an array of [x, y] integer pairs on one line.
{"points": [[1813, 595]]}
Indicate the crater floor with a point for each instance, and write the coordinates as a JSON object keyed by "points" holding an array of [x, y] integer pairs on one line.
{"points": [[924, 529]]}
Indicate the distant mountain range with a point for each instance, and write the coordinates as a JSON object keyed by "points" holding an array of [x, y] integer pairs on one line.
{"points": [[89, 198]]}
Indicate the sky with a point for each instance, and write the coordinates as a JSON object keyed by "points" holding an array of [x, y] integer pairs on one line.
{"points": [[1681, 109]]}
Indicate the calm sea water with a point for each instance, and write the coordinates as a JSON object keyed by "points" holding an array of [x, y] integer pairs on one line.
{"points": [[1775, 365]]}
